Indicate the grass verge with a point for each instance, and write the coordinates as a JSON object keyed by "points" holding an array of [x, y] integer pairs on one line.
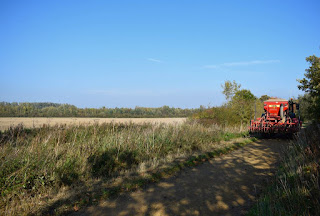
{"points": [[296, 186], [52, 170], [133, 183]]}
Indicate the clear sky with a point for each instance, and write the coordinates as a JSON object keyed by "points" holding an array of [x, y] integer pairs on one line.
{"points": [[153, 53]]}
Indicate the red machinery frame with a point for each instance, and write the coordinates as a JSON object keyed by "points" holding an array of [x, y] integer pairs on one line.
{"points": [[279, 117]]}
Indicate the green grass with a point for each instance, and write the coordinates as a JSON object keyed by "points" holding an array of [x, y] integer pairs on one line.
{"points": [[296, 187], [39, 164]]}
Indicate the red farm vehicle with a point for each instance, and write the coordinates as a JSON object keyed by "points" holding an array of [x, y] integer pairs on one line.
{"points": [[279, 117]]}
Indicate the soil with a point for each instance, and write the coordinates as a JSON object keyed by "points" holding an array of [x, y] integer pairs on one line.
{"points": [[227, 185]]}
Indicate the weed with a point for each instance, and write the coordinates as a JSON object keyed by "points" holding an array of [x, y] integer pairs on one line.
{"points": [[67, 172], [40, 162]]}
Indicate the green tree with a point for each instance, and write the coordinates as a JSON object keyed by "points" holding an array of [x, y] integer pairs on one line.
{"points": [[311, 85], [239, 110], [242, 105], [305, 102], [230, 88], [264, 98], [311, 82]]}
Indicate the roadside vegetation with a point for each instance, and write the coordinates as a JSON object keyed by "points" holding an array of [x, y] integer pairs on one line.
{"points": [[42, 164], [241, 107], [296, 187]]}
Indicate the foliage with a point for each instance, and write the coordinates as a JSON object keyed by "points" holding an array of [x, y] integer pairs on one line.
{"points": [[311, 82], [238, 110], [222, 115], [296, 187], [104, 164], [264, 98], [311, 85], [230, 88], [308, 107], [243, 105], [67, 110]]}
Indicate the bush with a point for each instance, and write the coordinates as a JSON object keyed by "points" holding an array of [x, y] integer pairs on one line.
{"points": [[104, 164]]}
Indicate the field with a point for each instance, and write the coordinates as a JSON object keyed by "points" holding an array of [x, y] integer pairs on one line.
{"points": [[41, 166], [5, 123]]}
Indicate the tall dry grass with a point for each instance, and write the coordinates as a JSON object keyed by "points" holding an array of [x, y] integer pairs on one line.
{"points": [[6, 123], [296, 187], [38, 164]]}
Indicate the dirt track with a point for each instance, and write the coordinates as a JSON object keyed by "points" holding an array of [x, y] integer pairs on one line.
{"points": [[223, 186]]}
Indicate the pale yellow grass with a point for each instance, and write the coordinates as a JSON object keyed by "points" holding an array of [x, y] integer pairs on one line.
{"points": [[5, 123]]}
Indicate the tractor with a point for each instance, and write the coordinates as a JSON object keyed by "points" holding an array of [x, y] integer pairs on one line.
{"points": [[279, 117]]}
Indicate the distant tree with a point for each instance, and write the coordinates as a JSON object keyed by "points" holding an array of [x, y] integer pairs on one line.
{"points": [[230, 88], [264, 98]]}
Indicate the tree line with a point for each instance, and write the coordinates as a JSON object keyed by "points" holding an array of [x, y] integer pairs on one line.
{"points": [[66, 110]]}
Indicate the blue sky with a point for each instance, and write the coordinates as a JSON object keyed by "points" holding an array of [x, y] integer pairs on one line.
{"points": [[153, 53]]}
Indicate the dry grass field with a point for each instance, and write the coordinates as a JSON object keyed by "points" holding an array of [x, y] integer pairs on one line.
{"points": [[45, 170], [5, 123]]}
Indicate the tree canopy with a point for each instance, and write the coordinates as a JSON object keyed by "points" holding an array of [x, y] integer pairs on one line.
{"points": [[264, 98], [311, 82], [311, 85], [230, 88]]}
